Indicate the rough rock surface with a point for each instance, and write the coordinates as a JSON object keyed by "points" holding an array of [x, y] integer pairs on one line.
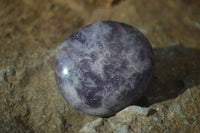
{"points": [[31, 32], [170, 116]]}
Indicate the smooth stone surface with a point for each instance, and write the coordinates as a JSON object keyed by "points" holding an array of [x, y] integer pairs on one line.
{"points": [[104, 67]]}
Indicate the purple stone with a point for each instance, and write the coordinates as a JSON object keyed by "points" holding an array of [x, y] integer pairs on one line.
{"points": [[104, 67]]}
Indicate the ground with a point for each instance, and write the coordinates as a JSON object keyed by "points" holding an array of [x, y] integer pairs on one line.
{"points": [[31, 32]]}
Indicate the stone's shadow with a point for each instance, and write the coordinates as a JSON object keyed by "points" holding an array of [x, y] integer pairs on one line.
{"points": [[176, 69], [116, 2]]}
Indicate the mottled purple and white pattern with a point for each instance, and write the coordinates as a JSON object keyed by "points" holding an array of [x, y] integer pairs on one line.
{"points": [[104, 67]]}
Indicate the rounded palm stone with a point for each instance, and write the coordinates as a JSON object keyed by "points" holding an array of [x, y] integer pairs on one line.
{"points": [[104, 67]]}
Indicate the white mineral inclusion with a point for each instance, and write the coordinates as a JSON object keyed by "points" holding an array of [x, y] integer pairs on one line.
{"points": [[65, 71], [104, 67]]}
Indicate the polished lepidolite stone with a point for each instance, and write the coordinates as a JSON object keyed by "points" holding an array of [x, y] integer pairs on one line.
{"points": [[104, 67]]}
